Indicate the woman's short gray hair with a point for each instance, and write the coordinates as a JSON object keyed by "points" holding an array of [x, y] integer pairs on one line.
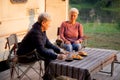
{"points": [[74, 10], [44, 17]]}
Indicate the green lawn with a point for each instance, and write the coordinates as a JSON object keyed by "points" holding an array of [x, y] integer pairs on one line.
{"points": [[112, 9], [101, 28], [104, 35]]}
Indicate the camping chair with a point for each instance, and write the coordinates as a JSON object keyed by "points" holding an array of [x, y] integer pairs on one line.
{"points": [[59, 41], [15, 65]]}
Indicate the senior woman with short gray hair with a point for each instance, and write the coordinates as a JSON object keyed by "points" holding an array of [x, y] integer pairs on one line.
{"points": [[71, 32], [36, 39]]}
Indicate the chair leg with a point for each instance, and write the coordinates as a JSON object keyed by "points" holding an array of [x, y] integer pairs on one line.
{"points": [[12, 72], [16, 68], [24, 73], [30, 67], [41, 69]]}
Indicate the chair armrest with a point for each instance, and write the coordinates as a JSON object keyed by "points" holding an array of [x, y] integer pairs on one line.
{"points": [[85, 41], [59, 42]]}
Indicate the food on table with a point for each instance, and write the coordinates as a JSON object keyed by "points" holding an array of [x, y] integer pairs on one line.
{"points": [[82, 53], [76, 56]]}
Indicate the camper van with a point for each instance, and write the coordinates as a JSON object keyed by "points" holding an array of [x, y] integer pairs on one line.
{"points": [[18, 16]]}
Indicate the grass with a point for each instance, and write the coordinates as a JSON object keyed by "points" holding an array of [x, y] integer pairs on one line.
{"points": [[101, 28], [112, 9], [104, 35]]}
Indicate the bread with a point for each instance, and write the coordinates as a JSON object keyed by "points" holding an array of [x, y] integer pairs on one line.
{"points": [[82, 53], [76, 56]]}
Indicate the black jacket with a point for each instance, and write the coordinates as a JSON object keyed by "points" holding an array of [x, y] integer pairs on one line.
{"points": [[36, 39]]}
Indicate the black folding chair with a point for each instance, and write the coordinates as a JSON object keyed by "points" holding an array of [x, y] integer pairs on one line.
{"points": [[15, 65]]}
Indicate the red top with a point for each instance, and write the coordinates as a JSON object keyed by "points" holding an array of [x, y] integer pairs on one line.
{"points": [[71, 32]]}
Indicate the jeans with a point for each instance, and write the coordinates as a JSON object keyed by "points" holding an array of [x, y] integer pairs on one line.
{"points": [[72, 46]]}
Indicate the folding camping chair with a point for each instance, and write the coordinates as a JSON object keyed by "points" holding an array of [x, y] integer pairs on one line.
{"points": [[15, 65]]}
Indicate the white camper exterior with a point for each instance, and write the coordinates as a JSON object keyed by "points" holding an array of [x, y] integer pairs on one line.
{"points": [[17, 16]]}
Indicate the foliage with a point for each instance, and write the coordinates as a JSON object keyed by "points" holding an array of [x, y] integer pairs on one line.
{"points": [[82, 6], [98, 3], [101, 4], [118, 22], [104, 10], [83, 1]]}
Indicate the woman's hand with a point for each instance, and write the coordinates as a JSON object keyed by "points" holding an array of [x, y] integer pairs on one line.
{"points": [[76, 42], [67, 42]]}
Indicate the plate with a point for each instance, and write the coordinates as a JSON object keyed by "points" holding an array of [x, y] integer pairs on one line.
{"points": [[80, 58], [68, 60]]}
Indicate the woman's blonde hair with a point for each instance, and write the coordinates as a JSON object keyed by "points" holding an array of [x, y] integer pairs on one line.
{"points": [[74, 10], [43, 17]]}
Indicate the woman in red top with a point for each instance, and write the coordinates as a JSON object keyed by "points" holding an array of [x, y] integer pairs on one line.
{"points": [[71, 32]]}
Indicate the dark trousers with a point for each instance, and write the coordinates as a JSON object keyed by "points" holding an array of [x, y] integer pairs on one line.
{"points": [[47, 61], [47, 76]]}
